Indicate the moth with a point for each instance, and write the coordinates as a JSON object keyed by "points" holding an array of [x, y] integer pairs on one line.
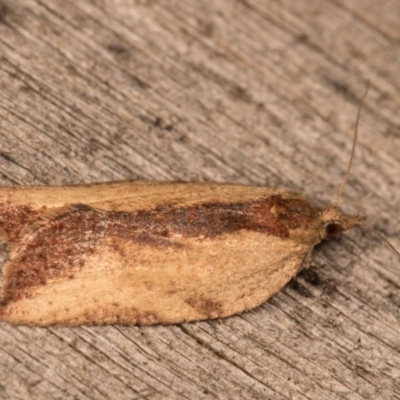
{"points": [[151, 252]]}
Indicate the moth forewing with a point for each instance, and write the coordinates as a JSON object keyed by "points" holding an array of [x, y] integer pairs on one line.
{"points": [[156, 253]]}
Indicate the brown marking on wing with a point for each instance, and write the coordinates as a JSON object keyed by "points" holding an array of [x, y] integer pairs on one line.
{"points": [[205, 306], [59, 247], [13, 219], [294, 213]]}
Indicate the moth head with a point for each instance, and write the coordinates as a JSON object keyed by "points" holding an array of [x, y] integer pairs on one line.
{"points": [[334, 222]]}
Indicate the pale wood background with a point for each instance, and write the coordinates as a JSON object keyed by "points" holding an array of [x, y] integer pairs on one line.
{"points": [[257, 92]]}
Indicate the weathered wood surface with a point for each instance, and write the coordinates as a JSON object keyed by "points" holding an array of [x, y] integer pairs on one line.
{"points": [[256, 92]]}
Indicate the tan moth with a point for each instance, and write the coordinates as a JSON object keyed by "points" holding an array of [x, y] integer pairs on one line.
{"points": [[152, 252]]}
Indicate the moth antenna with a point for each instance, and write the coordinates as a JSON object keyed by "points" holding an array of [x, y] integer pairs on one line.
{"points": [[340, 191], [371, 229]]}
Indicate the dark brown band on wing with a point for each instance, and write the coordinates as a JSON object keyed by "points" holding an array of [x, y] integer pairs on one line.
{"points": [[13, 219], [59, 246]]}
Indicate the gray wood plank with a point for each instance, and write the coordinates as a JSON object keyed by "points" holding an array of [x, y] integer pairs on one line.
{"points": [[255, 92]]}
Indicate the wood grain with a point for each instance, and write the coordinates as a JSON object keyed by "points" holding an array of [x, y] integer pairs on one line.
{"points": [[256, 92]]}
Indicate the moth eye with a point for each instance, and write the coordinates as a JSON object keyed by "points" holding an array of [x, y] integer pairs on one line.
{"points": [[332, 229]]}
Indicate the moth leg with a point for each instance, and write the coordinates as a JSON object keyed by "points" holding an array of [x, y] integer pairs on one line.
{"points": [[307, 260]]}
